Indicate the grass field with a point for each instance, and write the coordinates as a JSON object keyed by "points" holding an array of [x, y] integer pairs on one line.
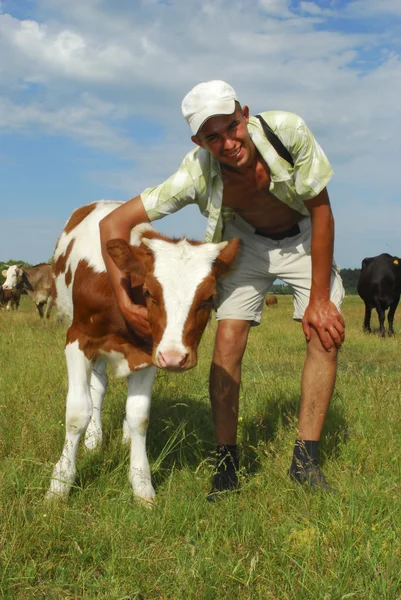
{"points": [[274, 540]]}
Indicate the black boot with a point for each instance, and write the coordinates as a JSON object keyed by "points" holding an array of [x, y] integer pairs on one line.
{"points": [[305, 468], [225, 478]]}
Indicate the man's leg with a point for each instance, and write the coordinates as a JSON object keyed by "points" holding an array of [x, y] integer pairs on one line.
{"points": [[317, 385], [224, 384], [225, 377]]}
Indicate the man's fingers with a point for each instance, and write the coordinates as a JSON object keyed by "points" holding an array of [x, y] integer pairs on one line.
{"points": [[137, 316], [331, 337], [341, 320], [325, 338], [336, 336], [306, 329]]}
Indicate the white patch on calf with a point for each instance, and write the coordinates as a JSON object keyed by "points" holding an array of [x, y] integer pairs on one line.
{"points": [[137, 233], [118, 363], [180, 268], [86, 236], [141, 366]]}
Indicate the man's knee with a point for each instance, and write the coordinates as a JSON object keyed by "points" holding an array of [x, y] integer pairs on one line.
{"points": [[231, 340], [317, 351]]}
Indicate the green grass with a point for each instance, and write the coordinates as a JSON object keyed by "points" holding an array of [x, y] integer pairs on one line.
{"points": [[274, 540]]}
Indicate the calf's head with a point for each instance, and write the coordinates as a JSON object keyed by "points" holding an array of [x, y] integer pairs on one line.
{"points": [[178, 279], [13, 277]]}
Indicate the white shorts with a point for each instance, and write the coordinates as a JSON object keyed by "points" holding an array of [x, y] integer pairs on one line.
{"points": [[261, 261]]}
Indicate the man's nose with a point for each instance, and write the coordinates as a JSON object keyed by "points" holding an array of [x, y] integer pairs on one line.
{"points": [[228, 143]]}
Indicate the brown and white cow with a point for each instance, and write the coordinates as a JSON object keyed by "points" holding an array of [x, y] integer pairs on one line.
{"points": [[35, 281], [176, 281], [10, 298]]}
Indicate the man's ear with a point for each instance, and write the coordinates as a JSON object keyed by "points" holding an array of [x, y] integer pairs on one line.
{"points": [[196, 140], [245, 112]]}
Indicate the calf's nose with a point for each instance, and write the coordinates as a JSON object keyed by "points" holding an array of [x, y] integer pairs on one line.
{"points": [[172, 359]]}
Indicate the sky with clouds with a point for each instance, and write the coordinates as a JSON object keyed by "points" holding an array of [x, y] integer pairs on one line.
{"points": [[90, 97]]}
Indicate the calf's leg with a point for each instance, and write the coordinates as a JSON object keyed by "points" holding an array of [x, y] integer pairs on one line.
{"points": [[126, 432], [39, 306], [48, 307], [78, 414], [98, 387], [137, 415]]}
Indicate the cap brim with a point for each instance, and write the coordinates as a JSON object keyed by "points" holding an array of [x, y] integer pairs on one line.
{"points": [[222, 108]]}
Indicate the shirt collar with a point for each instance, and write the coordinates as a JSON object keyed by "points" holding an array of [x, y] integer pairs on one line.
{"points": [[280, 169]]}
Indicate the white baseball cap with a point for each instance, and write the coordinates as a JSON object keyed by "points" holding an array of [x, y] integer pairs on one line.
{"points": [[206, 100]]}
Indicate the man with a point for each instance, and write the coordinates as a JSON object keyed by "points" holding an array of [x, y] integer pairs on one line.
{"points": [[283, 218]]}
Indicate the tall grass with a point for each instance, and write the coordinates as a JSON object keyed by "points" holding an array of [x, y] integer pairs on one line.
{"points": [[274, 540]]}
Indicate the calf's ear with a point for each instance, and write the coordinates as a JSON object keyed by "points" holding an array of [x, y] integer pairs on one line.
{"points": [[226, 257], [130, 259]]}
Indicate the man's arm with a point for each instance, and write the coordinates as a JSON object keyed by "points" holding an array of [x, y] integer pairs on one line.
{"points": [[118, 224], [321, 313]]}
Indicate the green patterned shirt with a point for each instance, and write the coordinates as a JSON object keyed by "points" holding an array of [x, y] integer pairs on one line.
{"points": [[198, 179]]}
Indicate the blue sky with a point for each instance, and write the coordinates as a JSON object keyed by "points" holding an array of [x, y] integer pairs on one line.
{"points": [[90, 96]]}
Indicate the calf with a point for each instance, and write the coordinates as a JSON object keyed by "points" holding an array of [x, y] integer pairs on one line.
{"points": [[10, 298], [35, 281], [379, 286], [271, 300], [175, 279]]}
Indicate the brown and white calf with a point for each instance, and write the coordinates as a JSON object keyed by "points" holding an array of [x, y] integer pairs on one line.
{"points": [[35, 281], [175, 279], [10, 298]]}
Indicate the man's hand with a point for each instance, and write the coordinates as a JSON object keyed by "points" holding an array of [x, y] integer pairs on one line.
{"points": [[324, 317], [137, 317]]}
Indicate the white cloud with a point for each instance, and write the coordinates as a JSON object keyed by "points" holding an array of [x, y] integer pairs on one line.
{"points": [[314, 9], [368, 8], [277, 8], [95, 71]]}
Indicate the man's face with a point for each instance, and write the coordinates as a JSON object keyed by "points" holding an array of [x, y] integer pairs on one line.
{"points": [[226, 138]]}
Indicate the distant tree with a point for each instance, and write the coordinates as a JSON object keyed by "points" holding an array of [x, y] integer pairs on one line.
{"points": [[350, 280], [281, 288]]}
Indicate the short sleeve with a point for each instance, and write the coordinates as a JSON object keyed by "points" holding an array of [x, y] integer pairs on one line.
{"points": [[184, 187], [312, 170]]}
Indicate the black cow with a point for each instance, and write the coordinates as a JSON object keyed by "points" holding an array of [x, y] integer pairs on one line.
{"points": [[379, 286]]}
